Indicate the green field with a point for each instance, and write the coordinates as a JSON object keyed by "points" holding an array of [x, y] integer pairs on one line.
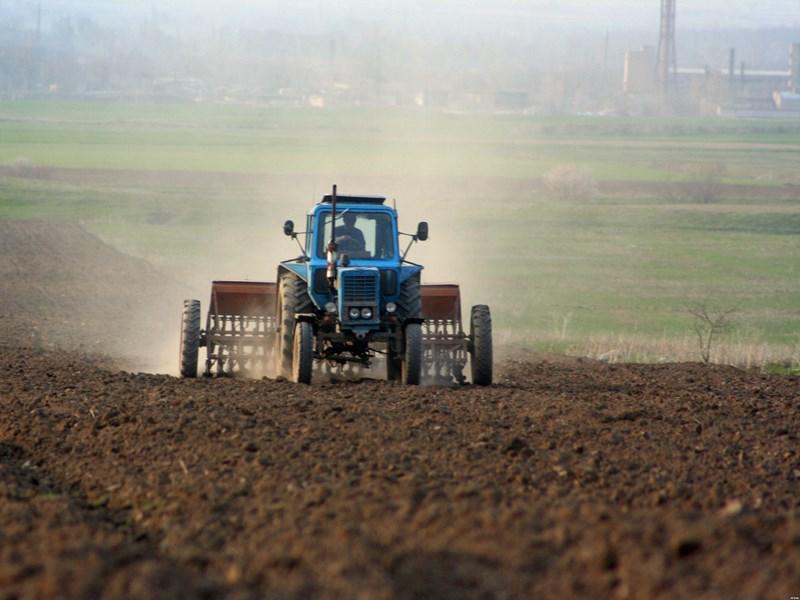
{"points": [[200, 191], [384, 143]]}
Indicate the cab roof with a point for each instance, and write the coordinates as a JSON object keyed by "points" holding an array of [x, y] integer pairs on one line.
{"points": [[328, 199]]}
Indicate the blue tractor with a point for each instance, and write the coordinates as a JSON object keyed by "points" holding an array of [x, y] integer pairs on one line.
{"points": [[350, 299]]}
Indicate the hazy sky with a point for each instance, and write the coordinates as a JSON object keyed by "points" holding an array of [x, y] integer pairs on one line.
{"points": [[316, 15]]}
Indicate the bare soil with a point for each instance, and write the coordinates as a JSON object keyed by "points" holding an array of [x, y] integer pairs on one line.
{"points": [[62, 287], [568, 478]]}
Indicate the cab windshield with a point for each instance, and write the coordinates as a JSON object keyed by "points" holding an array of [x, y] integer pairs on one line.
{"points": [[361, 235]]}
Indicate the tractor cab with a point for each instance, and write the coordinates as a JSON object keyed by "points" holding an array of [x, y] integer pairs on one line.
{"points": [[364, 229], [354, 262]]}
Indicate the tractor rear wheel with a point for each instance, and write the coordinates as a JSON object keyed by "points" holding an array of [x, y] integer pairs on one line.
{"points": [[303, 353], [409, 302], [481, 347], [412, 359], [293, 298], [190, 338], [409, 305]]}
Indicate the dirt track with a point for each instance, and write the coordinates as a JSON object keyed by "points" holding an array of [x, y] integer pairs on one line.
{"points": [[423, 186], [568, 478]]}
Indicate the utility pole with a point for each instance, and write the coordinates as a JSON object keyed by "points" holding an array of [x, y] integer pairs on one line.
{"points": [[666, 60], [732, 74], [604, 81], [39, 49]]}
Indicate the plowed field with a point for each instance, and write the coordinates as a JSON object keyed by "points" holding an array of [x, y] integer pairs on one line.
{"points": [[568, 478]]}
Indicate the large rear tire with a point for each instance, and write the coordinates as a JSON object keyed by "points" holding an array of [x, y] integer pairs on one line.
{"points": [[412, 358], [303, 353], [294, 299], [190, 338], [481, 359], [409, 305], [409, 302]]}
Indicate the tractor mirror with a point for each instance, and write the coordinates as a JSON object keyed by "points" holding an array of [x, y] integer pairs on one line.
{"points": [[422, 231], [288, 228]]}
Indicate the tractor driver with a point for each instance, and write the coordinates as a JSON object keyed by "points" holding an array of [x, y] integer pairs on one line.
{"points": [[349, 237]]}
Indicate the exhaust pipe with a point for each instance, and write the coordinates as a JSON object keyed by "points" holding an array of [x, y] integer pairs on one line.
{"points": [[332, 245]]}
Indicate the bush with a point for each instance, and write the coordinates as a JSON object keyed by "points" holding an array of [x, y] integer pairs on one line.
{"points": [[570, 182], [705, 182], [22, 167], [710, 323]]}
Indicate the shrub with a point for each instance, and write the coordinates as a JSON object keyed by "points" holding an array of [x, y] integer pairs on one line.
{"points": [[571, 183], [710, 323], [23, 167], [705, 183]]}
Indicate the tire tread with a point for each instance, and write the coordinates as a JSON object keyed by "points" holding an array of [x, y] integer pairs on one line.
{"points": [[303, 362], [294, 300], [412, 358], [190, 338], [481, 359]]}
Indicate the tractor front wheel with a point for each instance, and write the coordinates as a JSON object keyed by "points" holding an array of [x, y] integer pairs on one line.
{"points": [[412, 359], [481, 345], [190, 338], [303, 353]]}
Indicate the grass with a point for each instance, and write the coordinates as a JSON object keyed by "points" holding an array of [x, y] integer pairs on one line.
{"points": [[783, 369], [613, 275], [385, 143]]}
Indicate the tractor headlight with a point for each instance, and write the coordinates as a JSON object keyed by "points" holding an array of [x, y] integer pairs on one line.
{"points": [[330, 307], [391, 307], [366, 313], [354, 313]]}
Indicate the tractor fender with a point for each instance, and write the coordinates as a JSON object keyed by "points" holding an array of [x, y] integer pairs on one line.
{"points": [[308, 318], [408, 271], [297, 268]]}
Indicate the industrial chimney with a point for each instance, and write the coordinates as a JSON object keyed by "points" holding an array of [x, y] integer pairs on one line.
{"points": [[666, 59]]}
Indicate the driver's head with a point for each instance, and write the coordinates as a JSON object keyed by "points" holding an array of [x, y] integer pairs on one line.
{"points": [[349, 219]]}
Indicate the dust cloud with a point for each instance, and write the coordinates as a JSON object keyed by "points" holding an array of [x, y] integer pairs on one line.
{"points": [[225, 80], [65, 288]]}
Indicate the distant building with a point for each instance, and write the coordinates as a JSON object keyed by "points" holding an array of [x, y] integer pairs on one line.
{"points": [[511, 101], [639, 74], [731, 92], [745, 87], [766, 94], [794, 80], [472, 101], [180, 87], [787, 101], [433, 99]]}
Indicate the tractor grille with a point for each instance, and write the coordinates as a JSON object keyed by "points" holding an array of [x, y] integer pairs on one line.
{"points": [[360, 289]]}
